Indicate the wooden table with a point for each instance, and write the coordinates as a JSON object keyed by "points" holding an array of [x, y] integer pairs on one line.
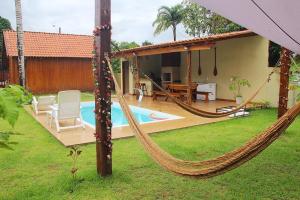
{"points": [[183, 89]]}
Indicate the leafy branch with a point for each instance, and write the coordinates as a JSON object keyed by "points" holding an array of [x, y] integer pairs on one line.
{"points": [[295, 76], [11, 98]]}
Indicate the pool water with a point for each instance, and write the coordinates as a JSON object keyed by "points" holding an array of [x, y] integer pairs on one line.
{"points": [[118, 118]]}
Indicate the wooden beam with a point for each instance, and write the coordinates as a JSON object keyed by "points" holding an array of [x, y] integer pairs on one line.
{"points": [[189, 76], [103, 89], [171, 49], [285, 63]]}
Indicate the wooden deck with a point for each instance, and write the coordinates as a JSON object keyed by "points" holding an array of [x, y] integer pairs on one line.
{"points": [[81, 136]]}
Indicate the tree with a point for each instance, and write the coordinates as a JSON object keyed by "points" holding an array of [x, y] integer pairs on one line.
{"points": [[147, 43], [196, 19], [117, 46], [4, 25], [199, 21], [20, 42], [168, 17], [274, 54]]}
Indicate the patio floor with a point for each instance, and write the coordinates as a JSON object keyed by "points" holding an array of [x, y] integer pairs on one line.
{"points": [[83, 136]]}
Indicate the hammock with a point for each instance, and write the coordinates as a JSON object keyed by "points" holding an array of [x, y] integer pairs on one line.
{"points": [[206, 114], [207, 168]]}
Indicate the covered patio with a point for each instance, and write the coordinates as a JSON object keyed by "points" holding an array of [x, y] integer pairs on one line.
{"points": [[200, 69]]}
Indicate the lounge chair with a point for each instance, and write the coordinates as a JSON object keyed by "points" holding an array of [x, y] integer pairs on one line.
{"points": [[42, 104], [68, 108]]}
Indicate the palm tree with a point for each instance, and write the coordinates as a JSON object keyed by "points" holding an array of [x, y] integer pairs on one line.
{"points": [[168, 17], [20, 42]]}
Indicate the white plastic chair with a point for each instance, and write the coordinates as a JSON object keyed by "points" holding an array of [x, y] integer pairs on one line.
{"points": [[68, 108], [42, 104]]}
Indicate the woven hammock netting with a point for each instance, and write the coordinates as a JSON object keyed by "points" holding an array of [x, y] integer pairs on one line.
{"points": [[206, 114], [206, 168]]}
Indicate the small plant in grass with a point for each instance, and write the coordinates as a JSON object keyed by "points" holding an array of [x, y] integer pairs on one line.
{"points": [[263, 104], [236, 83], [11, 98], [74, 154]]}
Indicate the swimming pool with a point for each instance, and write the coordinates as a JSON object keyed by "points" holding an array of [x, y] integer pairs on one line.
{"points": [[143, 115]]}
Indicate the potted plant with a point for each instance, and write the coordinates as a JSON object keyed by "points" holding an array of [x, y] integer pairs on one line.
{"points": [[236, 83]]}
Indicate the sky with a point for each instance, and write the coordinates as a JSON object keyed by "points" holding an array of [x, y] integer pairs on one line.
{"points": [[131, 21]]}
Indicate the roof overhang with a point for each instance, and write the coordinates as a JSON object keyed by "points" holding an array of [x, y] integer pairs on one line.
{"points": [[276, 20], [195, 44]]}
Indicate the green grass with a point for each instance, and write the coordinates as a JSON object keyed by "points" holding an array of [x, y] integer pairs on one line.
{"points": [[85, 96], [39, 168]]}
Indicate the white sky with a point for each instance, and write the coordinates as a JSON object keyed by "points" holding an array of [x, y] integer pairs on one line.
{"points": [[131, 19]]}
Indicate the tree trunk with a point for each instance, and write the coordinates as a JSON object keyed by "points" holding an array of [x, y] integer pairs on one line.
{"points": [[285, 63], [174, 32], [20, 43]]}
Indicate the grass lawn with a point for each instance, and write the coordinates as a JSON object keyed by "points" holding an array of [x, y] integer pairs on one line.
{"points": [[85, 96], [39, 168]]}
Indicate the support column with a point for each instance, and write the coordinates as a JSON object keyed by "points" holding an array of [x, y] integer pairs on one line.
{"points": [[285, 63], [137, 64], [189, 76], [103, 87]]}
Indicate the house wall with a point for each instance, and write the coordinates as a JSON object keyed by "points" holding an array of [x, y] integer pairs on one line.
{"points": [[13, 70], [50, 75], [243, 57], [148, 64]]}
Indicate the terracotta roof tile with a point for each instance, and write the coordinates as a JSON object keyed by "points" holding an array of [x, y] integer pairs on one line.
{"points": [[40, 44]]}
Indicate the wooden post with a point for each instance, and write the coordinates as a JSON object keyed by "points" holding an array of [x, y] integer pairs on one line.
{"points": [[189, 76], [285, 63], [103, 90], [137, 65]]}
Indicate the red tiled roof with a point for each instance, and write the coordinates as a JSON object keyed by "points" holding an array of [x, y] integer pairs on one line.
{"points": [[190, 42], [40, 44]]}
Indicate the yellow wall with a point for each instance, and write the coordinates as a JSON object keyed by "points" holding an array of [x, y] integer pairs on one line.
{"points": [[243, 57]]}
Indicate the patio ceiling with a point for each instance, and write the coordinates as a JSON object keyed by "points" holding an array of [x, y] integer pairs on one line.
{"points": [[276, 20]]}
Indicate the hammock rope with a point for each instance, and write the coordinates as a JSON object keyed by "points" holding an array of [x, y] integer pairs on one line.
{"points": [[207, 114], [206, 168]]}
